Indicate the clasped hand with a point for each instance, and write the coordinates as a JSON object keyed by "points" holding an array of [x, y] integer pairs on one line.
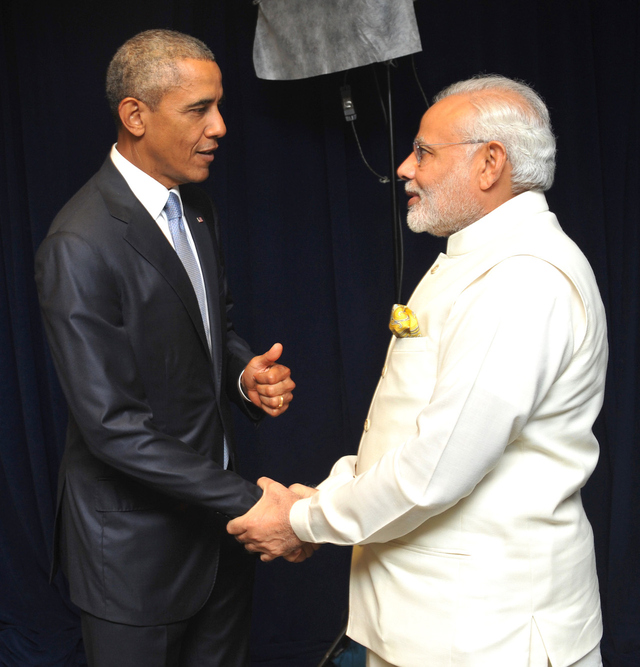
{"points": [[268, 385], [266, 528]]}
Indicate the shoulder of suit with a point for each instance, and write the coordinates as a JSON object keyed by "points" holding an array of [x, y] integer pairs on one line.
{"points": [[82, 211]]}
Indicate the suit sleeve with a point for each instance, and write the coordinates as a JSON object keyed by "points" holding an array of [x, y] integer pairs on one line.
{"points": [[507, 338], [81, 305]]}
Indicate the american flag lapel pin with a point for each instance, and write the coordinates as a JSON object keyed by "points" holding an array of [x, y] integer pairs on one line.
{"points": [[199, 219]]}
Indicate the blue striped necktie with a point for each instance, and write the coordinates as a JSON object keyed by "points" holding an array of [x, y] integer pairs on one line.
{"points": [[173, 211]]}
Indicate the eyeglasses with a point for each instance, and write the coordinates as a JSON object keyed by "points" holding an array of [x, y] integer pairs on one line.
{"points": [[419, 148]]}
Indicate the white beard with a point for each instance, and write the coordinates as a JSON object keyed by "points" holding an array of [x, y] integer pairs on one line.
{"points": [[445, 208]]}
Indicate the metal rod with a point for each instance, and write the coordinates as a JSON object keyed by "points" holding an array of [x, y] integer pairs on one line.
{"points": [[395, 218], [330, 653]]}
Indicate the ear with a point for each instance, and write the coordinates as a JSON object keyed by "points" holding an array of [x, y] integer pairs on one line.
{"points": [[494, 164], [132, 115]]}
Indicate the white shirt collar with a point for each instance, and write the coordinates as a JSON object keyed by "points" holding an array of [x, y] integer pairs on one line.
{"points": [[149, 192], [500, 222]]}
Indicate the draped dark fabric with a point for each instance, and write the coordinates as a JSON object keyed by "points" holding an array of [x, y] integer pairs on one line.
{"points": [[308, 245]]}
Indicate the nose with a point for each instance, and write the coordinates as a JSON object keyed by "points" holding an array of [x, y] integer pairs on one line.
{"points": [[216, 126], [407, 170]]}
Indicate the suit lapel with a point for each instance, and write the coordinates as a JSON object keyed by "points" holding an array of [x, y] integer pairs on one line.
{"points": [[143, 234]]}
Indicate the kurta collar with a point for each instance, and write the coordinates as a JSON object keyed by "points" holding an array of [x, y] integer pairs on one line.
{"points": [[497, 224]]}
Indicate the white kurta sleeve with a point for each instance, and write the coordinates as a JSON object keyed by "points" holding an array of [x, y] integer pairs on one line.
{"points": [[344, 470], [508, 336]]}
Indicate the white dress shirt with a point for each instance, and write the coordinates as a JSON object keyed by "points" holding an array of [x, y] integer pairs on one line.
{"points": [[153, 196]]}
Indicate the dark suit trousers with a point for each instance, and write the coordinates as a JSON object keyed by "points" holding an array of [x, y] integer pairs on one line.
{"points": [[217, 636]]}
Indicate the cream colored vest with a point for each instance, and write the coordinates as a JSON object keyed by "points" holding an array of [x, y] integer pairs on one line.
{"points": [[469, 586]]}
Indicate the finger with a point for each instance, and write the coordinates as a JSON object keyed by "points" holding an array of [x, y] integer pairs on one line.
{"points": [[269, 390], [266, 392], [299, 555], [252, 548], [274, 412], [296, 556], [273, 375], [277, 402], [267, 558], [308, 549]]}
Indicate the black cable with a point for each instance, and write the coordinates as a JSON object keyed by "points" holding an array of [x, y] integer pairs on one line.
{"points": [[380, 99], [382, 179], [349, 111], [415, 74]]}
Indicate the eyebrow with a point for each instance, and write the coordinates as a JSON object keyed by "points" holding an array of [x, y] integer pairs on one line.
{"points": [[205, 101], [200, 103]]}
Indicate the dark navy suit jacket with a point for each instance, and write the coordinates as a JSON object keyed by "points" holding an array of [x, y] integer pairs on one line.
{"points": [[142, 498]]}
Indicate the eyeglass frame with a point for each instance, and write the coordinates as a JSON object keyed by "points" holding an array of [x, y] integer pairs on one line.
{"points": [[419, 146]]}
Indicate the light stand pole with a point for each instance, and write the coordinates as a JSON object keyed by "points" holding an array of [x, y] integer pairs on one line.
{"points": [[398, 250]]}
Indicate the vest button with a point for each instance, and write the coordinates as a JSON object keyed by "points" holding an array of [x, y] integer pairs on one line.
{"points": [[384, 370], [435, 268], [367, 424]]}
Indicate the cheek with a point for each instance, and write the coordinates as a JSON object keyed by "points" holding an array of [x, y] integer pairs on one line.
{"points": [[423, 180], [423, 187], [191, 143]]}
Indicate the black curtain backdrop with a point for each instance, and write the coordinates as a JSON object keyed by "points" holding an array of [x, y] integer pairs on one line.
{"points": [[308, 243]]}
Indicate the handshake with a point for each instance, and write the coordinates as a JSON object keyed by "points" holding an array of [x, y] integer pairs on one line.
{"points": [[266, 529]]}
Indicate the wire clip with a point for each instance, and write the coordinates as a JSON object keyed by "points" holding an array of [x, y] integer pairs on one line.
{"points": [[347, 104]]}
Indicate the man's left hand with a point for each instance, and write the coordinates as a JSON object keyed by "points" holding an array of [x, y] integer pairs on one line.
{"points": [[268, 385], [266, 528]]}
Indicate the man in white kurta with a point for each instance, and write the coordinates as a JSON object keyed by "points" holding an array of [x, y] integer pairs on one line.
{"points": [[472, 545]]}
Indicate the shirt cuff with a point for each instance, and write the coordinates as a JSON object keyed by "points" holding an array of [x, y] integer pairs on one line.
{"points": [[299, 519], [241, 389]]}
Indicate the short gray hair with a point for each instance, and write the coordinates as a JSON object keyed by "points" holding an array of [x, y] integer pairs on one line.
{"points": [[511, 112], [145, 67]]}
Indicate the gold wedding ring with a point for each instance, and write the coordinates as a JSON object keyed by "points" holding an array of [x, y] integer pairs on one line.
{"points": [[281, 401]]}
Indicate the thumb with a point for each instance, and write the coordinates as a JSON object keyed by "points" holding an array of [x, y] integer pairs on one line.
{"points": [[264, 482], [235, 527], [303, 491], [271, 356]]}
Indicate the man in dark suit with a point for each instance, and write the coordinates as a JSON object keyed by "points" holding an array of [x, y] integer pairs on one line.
{"points": [[136, 307]]}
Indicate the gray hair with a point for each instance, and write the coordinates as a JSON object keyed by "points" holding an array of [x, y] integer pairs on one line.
{"points": [[511, 112], [145, 67]]}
